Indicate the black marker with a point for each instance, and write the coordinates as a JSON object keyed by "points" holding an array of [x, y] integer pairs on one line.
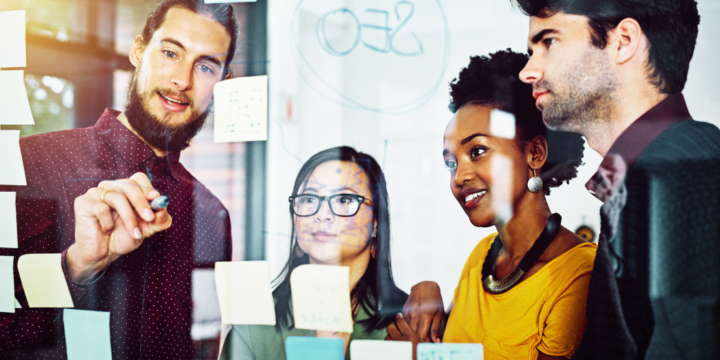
{"points": [[161, 202]]}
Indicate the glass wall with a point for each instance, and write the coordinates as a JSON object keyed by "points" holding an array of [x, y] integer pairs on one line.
{"points": [[281, 179]]}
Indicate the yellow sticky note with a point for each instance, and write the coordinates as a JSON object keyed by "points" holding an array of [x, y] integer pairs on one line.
{"points": [[321, 298], [11, 163], [8, 220], [14, 103], [12, 39], [43, 281], [241, 109], [244, 293]]}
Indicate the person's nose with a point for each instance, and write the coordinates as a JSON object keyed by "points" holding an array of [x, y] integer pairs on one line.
{"points": [[181, 77], [463, 174], [532, 72], [324, 214]]}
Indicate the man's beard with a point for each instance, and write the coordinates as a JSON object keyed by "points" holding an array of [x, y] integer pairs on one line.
{"points": [[157, 133], [584, 97]]}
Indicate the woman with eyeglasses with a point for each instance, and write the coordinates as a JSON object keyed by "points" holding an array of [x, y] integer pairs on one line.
{"points": [[339, 206], [523, 290]]}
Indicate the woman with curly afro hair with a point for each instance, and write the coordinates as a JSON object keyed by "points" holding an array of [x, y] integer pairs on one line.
{"points": [[523, 290]]}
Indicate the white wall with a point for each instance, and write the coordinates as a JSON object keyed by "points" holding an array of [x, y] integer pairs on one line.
{"points": [[361, 100]]}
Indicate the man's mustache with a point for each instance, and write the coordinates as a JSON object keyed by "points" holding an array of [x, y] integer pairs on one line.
{"points": [[541, 85], [174, 95]]}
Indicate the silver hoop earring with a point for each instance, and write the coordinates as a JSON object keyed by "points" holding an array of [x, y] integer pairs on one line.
{"points": [[535, 184]]}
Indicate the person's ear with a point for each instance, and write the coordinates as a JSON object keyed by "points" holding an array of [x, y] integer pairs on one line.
{"points": [[536, 152], [136, 52], [229, 74], [626, 40]]}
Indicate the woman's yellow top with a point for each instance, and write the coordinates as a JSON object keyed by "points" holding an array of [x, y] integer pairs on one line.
{"points": [[545, 312]]}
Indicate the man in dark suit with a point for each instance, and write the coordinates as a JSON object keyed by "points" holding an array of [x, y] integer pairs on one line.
{"points": [[613, 71]]}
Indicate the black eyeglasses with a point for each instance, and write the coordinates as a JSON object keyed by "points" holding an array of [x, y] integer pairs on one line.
{"points": [[340, 204]]}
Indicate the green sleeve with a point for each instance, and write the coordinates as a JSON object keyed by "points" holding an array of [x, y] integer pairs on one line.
{"points": [[236, 345]]}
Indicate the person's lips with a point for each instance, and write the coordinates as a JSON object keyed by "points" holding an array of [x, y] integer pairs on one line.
{"points": [[470, 197], [172, 103], [538, 95], [323, 236]]}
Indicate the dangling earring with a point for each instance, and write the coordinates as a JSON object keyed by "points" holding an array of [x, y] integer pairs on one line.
{"points": [[372, 247], [535, 184]]}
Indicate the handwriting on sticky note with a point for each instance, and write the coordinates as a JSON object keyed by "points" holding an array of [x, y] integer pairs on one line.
{"points": [[321, 298], [448, 351], [241, 109], [12, 39], [381, 350], [8, 220], [87, 334], [14, 103], [244, 293], [7, 285], [314, 348], [43, 281], [11, 163]]}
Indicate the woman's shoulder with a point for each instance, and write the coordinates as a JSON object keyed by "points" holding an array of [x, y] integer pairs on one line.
{"points": [[575, 262]]}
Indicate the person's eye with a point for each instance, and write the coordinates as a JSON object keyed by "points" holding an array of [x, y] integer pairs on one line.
{"points": [[307, 200], [475, 152], [169, 54], [450, 165], [548, 42], [206, 69], [344, 199]]}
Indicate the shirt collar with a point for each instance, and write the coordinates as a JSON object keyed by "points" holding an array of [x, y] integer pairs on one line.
{"points": [[130, 147], [638, 136], [634, 140]]}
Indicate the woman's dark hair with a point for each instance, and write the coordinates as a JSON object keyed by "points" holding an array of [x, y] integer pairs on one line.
{"points": [[493, 81], [222, 13], [376, 291], [671, 27]]}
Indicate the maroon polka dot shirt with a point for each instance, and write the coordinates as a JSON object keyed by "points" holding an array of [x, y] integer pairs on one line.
{"points": [[147, 292]]}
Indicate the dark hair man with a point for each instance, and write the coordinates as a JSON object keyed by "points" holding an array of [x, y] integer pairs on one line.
{"points": [[89, 190], [613, 71]]}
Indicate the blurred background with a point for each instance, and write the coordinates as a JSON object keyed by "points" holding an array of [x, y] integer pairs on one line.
{"points": [[387, 95]]}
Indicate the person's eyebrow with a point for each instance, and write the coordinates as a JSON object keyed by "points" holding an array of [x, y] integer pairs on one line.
{"points": [[343, 189], [537, 37], [211, 58], [310, 189], [467, 139], [174, 42]]}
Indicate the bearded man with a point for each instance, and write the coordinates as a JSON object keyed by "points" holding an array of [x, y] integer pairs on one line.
{"points": [[89, 192]]}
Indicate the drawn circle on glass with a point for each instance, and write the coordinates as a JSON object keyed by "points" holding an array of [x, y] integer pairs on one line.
{"points": [[382, 56]]}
